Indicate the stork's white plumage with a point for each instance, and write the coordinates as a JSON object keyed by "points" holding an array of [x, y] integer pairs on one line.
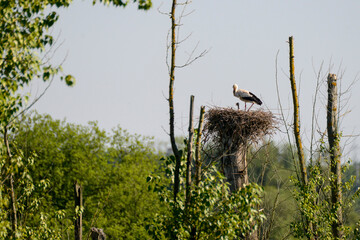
{"points": [[246, 96]]}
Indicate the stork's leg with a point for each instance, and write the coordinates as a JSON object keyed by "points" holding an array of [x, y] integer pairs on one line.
{"points": [[250, 106], [245, 106]]}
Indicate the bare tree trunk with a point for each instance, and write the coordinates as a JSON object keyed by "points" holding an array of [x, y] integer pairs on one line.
{"points": [[171, 103], [174, 147], [189, 153], [13, 205], [234, 165], [78, 205], [335, 161], [235, 170], [12, 190]]}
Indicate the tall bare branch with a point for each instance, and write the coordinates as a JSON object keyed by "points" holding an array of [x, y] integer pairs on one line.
{"points": [[189, 152], [300, 150]]}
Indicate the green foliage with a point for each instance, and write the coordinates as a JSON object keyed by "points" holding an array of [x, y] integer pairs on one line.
{"points": [[112, 169], [33, 222], [311, 203], [357, 231], [213, 212], [24, 41], [286, 202], [49, 155], [142, 4], [314, 200], [25, 44]]}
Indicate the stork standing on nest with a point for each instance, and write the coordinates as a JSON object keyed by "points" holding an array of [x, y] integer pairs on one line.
{"points": [[245, 96]]}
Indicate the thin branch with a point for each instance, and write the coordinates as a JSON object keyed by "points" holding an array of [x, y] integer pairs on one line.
{"points": [[32, 104], [191, 60], [161, 12], [281, 107], [314, 113]]}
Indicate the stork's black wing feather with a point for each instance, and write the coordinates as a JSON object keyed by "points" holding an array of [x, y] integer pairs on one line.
{"points": [[255, 98]]}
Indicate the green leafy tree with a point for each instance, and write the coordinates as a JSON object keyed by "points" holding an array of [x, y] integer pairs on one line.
{"points": [[129, 203], [32, 221], [24, 46], [112, 169], [214, 212], [314, 201]]}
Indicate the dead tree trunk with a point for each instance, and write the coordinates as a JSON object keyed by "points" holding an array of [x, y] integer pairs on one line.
{"points": [[234, 164], [235, 168], [12, 190], [335, 161], [78, 206], [171, 103]]}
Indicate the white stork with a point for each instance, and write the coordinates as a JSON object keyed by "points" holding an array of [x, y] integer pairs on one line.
{"points": [[245, 96]]}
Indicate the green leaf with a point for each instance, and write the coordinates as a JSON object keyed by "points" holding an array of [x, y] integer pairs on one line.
{"points": [[69, 80]]}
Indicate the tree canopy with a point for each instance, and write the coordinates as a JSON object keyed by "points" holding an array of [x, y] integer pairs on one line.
{"points": [[111, 167]]}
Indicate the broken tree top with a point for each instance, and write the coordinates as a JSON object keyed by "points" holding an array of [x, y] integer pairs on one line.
{"points": [[241, 126]]}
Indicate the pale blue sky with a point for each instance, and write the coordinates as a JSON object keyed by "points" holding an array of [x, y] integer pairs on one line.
{"points": [[118, 58]]}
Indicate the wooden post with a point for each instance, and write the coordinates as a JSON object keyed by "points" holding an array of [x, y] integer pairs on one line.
{"points": [[189, 153], [78, 206], [198, 161], [335, 160]]}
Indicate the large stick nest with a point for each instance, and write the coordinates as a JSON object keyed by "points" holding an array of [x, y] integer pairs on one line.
{"points": [[237, 126]]}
